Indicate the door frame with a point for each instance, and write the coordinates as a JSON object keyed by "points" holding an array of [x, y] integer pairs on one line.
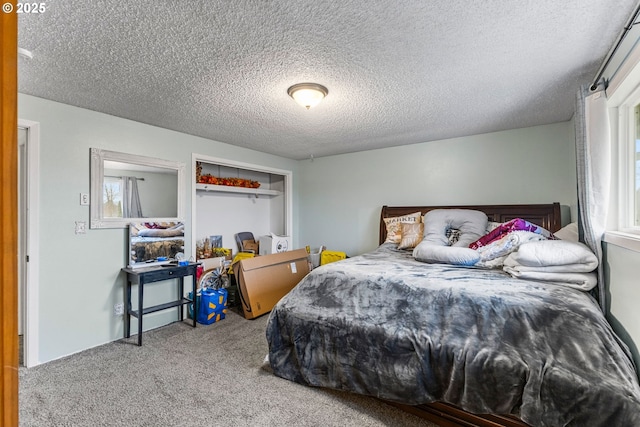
{"points": [[9, 219], [32, 286]]}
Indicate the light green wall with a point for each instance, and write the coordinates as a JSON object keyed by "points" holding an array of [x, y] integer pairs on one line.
{"points": [[337, 202], [341, 196], [80, 277], [622, 270]]}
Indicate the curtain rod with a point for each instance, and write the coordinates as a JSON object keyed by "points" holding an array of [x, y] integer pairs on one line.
{"points": [[113, 176], [623, 34]]}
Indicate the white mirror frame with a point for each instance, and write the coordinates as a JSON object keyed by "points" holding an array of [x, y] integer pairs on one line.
{"points": [[98, 157]]}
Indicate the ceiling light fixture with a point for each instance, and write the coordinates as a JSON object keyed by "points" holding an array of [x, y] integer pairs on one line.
{"points": [[307, 94]]}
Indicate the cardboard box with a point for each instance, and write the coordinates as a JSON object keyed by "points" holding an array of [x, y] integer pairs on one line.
{"points": [[211, 263], [250, 246], [274, 244], [264, 280]]}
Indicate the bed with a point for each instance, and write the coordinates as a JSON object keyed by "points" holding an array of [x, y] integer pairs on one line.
{"points": [[459, 345]]}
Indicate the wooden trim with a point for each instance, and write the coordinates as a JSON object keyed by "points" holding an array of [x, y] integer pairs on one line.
{"points": [[446, 415], [9, 219], [545, 215]]}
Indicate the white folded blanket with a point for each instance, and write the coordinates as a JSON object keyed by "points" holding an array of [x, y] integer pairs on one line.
{"points": [[553, 256], [582, 281], [494, 254], [559, 262]]}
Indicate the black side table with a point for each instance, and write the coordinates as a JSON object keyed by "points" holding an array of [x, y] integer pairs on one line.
{"points": [[143, 276]]}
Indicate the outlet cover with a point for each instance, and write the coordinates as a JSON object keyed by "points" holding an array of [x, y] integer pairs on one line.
{"points": [[81, 227], [118, 309], [84, 199]]}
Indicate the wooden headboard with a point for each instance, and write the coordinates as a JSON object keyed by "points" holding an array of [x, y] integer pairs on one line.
{"points": [[544, 215]]}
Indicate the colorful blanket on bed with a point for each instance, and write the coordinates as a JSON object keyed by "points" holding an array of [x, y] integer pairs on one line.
{"points": [[385, 325]]}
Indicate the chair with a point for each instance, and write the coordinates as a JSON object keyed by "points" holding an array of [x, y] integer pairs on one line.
{"points": [[242, 237]]}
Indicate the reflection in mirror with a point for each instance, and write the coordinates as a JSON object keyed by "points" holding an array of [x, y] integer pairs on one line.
{"points": [[126, 187], [154, 243], [137, 191]]}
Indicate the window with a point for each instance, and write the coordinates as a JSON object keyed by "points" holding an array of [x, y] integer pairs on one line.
{"points": [[635, 167], [112, 197], [623, 100], [629, 176]]}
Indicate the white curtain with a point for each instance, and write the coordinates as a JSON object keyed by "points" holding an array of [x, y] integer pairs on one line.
{"points": [[593, 155], [131, 207]]}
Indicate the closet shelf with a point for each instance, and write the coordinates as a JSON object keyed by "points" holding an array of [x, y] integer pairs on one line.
{"points": [[241, 190]]}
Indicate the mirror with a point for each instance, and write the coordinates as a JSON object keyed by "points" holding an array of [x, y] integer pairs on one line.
{"points": [[128, 188]]}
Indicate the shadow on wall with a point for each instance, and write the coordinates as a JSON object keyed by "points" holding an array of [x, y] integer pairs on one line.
{"points": [[617, 326], [565, 214]]}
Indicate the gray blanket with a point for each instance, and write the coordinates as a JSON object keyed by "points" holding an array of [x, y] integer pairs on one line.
{"points": [[384, 325]]}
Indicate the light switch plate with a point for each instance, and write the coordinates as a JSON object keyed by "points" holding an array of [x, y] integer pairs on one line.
{"points": [[84, 199]]}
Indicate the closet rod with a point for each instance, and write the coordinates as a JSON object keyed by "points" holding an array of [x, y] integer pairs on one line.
{"points": [[607, 60], [113, 176]]}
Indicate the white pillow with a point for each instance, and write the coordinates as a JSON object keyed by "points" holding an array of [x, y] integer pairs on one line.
{"points": [[471, 224], [553, 255], [427, 252], [568, 232]]}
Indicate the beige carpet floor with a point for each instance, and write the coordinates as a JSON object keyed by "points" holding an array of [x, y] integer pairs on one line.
{"points": [[212, 375]]}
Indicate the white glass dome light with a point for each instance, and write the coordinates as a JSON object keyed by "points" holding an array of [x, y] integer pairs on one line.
{"points": [[307, 94]]}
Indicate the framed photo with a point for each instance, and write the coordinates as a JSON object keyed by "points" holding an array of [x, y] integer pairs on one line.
{"points": [[211, 247], [215, 241]]}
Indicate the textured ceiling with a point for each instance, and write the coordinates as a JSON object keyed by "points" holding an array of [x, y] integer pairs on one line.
{"points": [[398, 72]]}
